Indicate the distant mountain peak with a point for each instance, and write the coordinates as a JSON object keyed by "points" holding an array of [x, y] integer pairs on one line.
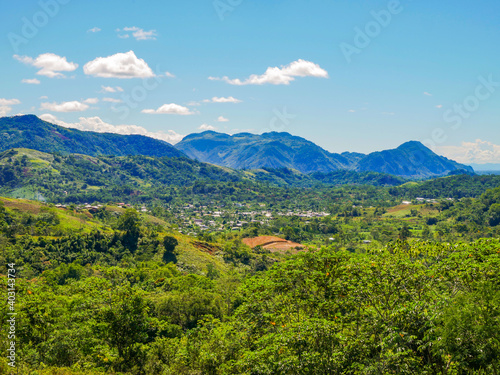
{"points": [[413, 145], [283, 150]]}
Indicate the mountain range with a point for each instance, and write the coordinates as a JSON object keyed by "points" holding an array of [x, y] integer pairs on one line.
{"points": [[283, 150], [33, 133], [239, 151]]}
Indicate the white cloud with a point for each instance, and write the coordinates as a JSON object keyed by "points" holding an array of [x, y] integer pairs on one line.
{"points": [[4, 110], [352, 111], [5, 105], [229, 99], [33, 81], [280, 76], [50, 64], [120, 65], [91, 101], [73, 106], [439, 106], [427, 94], [44, 97], [137, 33], [222, 119], [479, 152], [111, 100], [205, 127], [169, 109], [111, 89], [169, 75], [94, 30], [95, 124], [9, 102]]}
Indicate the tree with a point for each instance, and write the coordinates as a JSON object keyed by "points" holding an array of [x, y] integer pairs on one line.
{"points": [[130, 222], [404, 233], [170, 243], [494, 215], [124, 325]]}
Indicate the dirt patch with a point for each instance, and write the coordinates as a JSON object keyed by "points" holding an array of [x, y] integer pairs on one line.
{"points": [[21, 205], [206, 247], [271, 243]]}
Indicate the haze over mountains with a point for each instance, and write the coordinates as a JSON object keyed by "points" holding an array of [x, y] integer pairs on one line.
{"points": [[239, 151], [283, 150]]}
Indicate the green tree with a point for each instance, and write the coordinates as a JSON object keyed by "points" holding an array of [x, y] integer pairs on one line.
{"points": [[404, 233], [130, 222], [494, 215], [123, 324], [170, 243]]}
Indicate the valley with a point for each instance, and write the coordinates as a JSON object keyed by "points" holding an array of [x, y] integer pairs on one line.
{"points": [[182, 254]]}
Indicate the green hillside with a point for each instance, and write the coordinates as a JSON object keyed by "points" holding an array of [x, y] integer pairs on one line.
{"points": [[31, 132]]}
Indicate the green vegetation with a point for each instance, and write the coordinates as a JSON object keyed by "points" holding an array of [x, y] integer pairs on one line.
{"points": [[138, 265], [31, 132], [91, 305], [283, 150]]}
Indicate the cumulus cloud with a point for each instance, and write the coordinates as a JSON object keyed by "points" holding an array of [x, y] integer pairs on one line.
{"points": [[169, 109], [280, 76], [439, 106], [9, 101], [427, 94], [120, 65], [6, 105], [94, 30], [50, 64], [74, 106], [91, 101], [222, 119], [4, 110], [96, 124], [205, 127], [478, 152], [111, 89], [33, 81], [215, 99], [137, 33]]}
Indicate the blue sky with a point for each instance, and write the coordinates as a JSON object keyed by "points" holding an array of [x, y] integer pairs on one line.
{"points": [[347, 75]]}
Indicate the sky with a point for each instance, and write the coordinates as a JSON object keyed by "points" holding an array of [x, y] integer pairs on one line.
{"points": [[348, 75]]}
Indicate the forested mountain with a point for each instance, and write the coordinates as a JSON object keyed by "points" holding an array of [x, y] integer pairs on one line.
{"points": [[240, 151], [282, 150], [33, 174], [31, 132], [269, 150], [411, 159]]}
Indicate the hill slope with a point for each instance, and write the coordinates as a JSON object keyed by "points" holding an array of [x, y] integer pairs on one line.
{"points": [[282, 150], [30, 132], [269, 150], [411, 159]]}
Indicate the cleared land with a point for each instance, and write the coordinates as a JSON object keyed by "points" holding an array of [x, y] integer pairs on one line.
{"points": [[271, 243]]}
